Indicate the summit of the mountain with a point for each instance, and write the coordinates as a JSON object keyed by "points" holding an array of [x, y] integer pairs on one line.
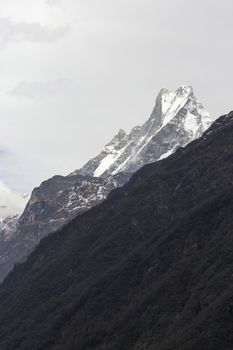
{"points": [[177, 118]]}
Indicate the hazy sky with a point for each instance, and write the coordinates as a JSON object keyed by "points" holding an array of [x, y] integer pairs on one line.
{"points": [[73, 72]]}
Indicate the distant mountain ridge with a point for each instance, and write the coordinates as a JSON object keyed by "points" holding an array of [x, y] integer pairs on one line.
{"points": [[177, 119]]}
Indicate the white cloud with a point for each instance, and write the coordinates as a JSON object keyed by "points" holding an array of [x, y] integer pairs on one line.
{"points": [[11, 31], [11, 203], [42, 90]]}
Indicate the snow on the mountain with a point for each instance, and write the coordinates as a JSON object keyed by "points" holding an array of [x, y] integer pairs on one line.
{"points": [[166, 154], [191, 124], [147, 140], [171, 103], [205, 116], [121, 166], [166, 98], [134, 152], [108, 160], [105, 164], [176, 103]]}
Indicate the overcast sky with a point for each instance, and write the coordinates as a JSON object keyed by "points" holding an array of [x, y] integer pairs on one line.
{"points": [[73, 72]]}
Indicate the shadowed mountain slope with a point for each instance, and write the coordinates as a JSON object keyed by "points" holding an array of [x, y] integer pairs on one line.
{"points": [[149, 268]]}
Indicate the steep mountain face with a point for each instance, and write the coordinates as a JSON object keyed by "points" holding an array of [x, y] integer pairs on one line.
{"points": [[57, 201], [149, 268], [177, 119]]}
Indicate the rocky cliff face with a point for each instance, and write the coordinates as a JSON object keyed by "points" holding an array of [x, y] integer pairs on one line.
{"points": [[60, 199], [53, 204], [177, 119]]}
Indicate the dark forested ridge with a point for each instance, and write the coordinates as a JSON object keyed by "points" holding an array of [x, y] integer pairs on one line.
{"points": [[149, 268]]}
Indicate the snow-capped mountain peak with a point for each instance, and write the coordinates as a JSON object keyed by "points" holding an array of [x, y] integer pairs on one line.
{"points": [[173, 102], [177, 118], [165, 97]]}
